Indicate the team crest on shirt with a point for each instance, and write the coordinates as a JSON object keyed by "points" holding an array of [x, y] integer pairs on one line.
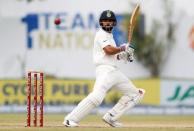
{"points": [[108, 14]]}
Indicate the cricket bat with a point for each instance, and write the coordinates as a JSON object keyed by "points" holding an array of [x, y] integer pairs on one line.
{"points": [[132, 22]]}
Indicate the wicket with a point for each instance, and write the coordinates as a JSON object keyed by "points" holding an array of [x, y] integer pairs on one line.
{"points": [[33, 76]]}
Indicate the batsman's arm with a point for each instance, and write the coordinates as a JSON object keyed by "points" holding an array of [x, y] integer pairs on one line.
{"points": [[111, 50]]}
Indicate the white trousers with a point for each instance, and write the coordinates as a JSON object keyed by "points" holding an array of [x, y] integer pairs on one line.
{"points": [[109, 76], [106, 78]]}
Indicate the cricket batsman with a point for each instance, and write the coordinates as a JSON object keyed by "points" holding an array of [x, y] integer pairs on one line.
{"points": [[108, 75]]}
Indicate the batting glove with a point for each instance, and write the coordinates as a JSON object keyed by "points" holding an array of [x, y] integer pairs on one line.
{"points": [[127, 52], [130, 57], [125, 56], [124, 46]]}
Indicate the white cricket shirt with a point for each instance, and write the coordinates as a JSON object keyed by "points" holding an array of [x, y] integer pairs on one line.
{"points": [[102, 39]]}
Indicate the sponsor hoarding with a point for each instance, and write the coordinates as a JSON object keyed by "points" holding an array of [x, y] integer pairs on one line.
{"points": [[59, 92], [177, 93]]}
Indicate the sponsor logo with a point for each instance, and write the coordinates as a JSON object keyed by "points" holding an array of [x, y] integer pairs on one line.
{"points": [[182, 94], [75, 31], [59, 92]]}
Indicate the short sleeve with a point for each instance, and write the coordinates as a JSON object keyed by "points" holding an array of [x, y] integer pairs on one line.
{"points": [[104, 41]]}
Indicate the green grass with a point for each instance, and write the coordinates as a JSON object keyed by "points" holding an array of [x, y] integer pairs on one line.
{"points": [[53, 122]]}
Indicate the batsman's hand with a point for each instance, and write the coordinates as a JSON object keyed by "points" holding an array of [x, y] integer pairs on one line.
{"points": [[124, 47], [130, 49], [127, 47], [129, 52], [126, 56]]}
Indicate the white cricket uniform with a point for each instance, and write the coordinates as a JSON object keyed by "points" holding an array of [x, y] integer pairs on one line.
{"points": [[107, 72], [107, 76], [102, 39]]}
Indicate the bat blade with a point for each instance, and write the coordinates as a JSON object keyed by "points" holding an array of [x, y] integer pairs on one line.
{"points": [[132, 22]]}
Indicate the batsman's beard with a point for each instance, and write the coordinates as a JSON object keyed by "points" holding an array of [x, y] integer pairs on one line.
{"points": [[107, 28]]}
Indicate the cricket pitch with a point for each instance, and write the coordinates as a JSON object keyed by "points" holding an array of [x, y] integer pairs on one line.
{"points": [[53, 122]]}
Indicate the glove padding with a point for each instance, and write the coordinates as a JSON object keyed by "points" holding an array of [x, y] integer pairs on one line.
{"points": [[126, 56], [126, 53]]}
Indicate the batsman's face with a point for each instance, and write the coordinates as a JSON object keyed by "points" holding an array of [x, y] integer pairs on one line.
{"points": [[107, 23]]}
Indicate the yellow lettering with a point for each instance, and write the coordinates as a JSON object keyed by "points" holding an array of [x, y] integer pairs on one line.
{"points": [[84, 40], [79, 40], [66, 40], [88, 41], [58, 41], [69, 39], [44, 40]]}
